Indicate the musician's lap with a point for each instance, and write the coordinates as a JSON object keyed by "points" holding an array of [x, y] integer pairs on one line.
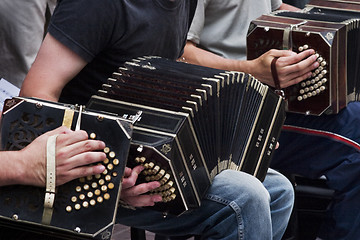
{"points": [[234, 198]]}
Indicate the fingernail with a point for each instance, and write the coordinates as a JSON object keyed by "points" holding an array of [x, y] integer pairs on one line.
{"points": [[101, 167], [157, 198]]}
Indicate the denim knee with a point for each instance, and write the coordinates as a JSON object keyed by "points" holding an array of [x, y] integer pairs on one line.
{"points": [[249, 201], [282, 201], [234, 186]]}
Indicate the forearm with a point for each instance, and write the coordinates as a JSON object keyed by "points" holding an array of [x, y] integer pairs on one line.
{"points": [[291, 67], [288, 7], [12, 170], [195, 55]]}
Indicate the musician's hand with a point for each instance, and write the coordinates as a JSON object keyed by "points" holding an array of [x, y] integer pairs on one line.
{"points": [[134, 195], [73, 151], [291, 67]]}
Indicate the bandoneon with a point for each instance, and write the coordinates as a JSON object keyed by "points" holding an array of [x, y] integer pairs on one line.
{"points": [[331, 28], [84, 208], [195, 123]]}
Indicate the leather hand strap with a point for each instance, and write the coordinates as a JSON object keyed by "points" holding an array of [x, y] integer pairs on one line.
{"points": [[276, 78], [50, 179]]}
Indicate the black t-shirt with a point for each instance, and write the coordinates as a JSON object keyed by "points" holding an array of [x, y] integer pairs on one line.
{"points": [[105, 32]]}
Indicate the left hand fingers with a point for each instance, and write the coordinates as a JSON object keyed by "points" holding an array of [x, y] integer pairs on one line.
{"points": [[66, 175], [294, 79], [69, 151], [292, 74], [291, 59], [303, 66]]}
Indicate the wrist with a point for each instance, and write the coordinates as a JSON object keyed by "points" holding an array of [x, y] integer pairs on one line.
{"points": [[20, 164], [243, 66], [28, 172], [11, 170]]}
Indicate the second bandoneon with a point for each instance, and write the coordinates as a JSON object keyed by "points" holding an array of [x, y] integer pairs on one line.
{"points": [[195, 123], [331, 28], [84, 208]]}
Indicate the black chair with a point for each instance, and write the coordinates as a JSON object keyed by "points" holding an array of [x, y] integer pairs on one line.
{"points": [[137, 234], [312, 200]]}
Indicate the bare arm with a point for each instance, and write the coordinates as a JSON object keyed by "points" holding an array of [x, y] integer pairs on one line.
{"points": [[288, 7], [54, 66], [74, 153], [291, 67]]}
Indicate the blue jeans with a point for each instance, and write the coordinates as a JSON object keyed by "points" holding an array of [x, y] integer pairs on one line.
{"points": [[237, 206], [313, 154]]}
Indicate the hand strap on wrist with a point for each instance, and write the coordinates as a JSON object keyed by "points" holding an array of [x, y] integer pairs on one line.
{"points": [[276, 78], [50, 179]]}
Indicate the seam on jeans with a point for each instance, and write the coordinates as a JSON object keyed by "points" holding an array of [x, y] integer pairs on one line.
{"points": [[217, 199], [237, 211], [236, 208]]}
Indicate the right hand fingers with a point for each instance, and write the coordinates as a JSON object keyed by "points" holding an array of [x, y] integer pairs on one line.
{"points": [[139, 189], [143, 200], [131, 176], [134, 194]]}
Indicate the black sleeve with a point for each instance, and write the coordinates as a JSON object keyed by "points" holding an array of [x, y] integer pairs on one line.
{"points": [[87, 26]]}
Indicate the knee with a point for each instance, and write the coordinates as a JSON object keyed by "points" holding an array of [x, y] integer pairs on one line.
{"points": [[279, 187], [287, 194], [239, 187]]}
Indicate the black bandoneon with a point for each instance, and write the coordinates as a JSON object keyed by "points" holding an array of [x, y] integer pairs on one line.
{"points": [[84, 208], [195, 123], [332, 29]]}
